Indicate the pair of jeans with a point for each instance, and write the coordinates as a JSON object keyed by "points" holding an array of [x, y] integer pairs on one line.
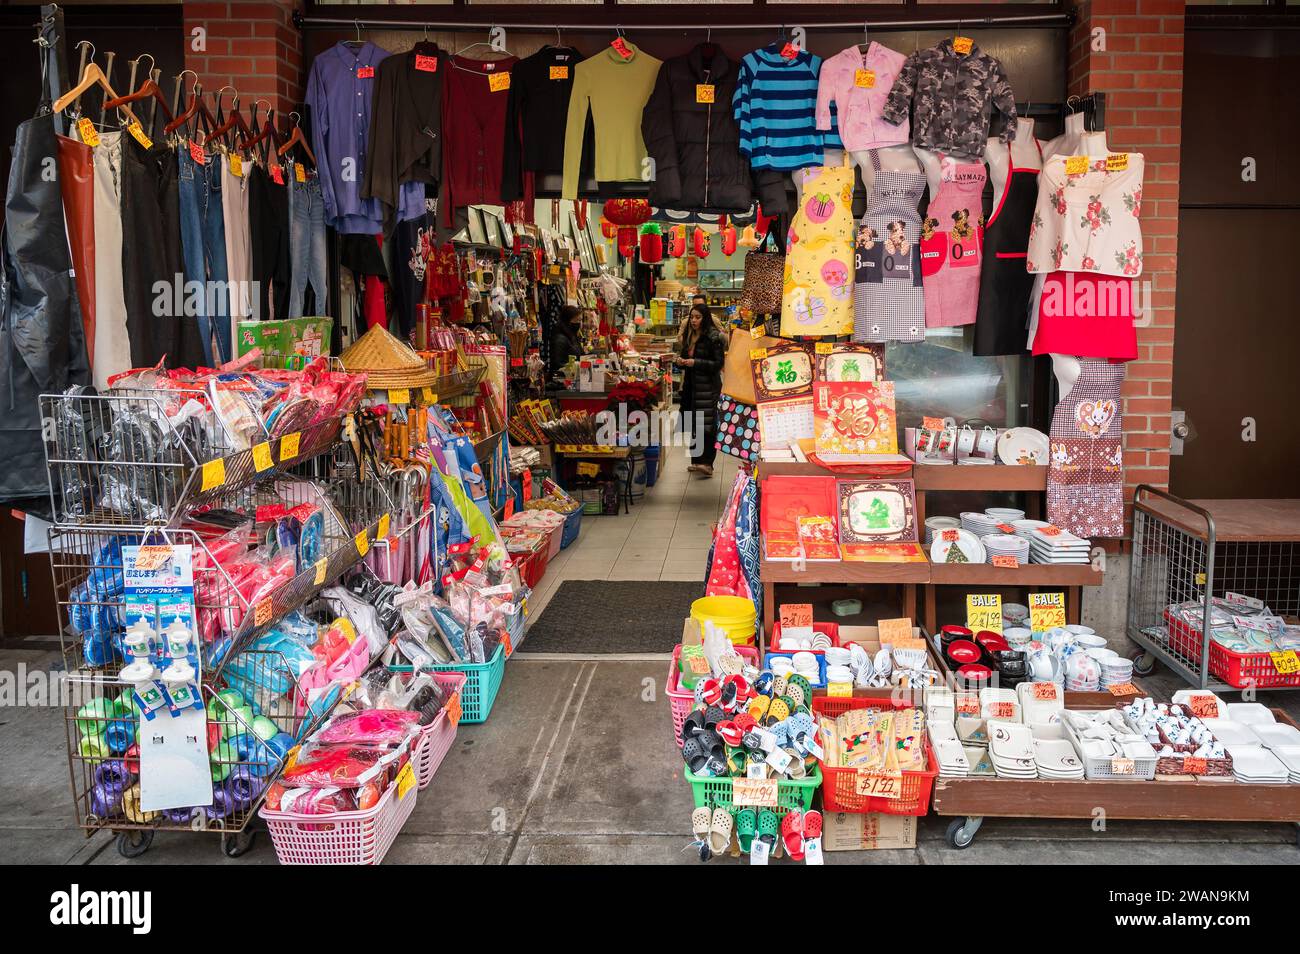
{"points": [[203, 239], [306, 244]]}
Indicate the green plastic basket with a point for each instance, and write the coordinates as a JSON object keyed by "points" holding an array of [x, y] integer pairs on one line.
{"points": [[482, 680], [790, 793]]}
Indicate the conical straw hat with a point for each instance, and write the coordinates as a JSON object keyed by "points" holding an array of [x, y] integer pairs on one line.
{"points": [[387, 361]]}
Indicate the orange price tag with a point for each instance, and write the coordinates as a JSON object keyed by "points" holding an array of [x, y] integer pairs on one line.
{"points": [[754, 792], [704, 93], [509, 646], [789, 51], [453, 708], [1002, 710], [865, 79], [1050, 531], [1006, 560], [1194, 766], [426, 64], [1045, 691], [697, 664], [879, 784], [262, 612], [1007, 529], [1124, 689], [895, 630], [1204, 707], [197, 153], [365, 72], [932, 423], [150, 558], [968, 703], [277, 174], [962, 44], [559, 72], [499, 82], [621, 48], [799, 615]]}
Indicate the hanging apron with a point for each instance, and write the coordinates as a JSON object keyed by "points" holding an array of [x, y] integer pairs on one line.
{"points": [[817, 294], [888, 300], [1005, 284], [42, 341], [1085, 481], [951, 242], [77, 182]]}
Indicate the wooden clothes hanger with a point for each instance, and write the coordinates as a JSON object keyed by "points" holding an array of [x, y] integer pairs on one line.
{"points": [[148, 89], [235, 121], [196, 109], [91, 76], [296, 138]]}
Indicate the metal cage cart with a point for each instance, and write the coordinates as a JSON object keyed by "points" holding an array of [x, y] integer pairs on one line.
{"points": [[1188, 556], [139, 467]]}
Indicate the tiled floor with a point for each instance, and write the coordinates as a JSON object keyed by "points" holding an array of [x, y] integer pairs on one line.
{"points": [[665, 537]]}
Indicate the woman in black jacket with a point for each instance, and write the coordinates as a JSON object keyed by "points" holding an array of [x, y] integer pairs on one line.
{"points": [[704, 352], [565, 341]]}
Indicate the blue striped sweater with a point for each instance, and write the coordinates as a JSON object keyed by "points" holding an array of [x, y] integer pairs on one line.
{"points": [[775, 105]]}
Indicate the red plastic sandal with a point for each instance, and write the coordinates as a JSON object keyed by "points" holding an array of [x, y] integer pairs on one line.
{"points": [[792, 834]]}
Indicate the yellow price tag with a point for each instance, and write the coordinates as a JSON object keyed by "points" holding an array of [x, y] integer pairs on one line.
{"points": [[1286, 663], [1076, 165], [825, 347], [289, 446], [839, 690], [322, 567], [405, 781], [499, 82], [382, 532], [962, 44], [1046, 611], [1117, 162], [559, 72], [588, 470], [300, 172], [757, 354], [87, 131], [362, 541], [262, 457], [754, 792], [866, 79], [984, 612], [138, 134], [428, 395], [704, 93], [214, 474], [399, 395], [236, 164], [879, 784]]}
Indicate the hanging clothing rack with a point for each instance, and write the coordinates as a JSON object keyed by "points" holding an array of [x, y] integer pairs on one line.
{"points": [[305, 21]]}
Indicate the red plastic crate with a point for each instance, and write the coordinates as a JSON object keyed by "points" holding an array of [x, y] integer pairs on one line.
{"points": [[532, 566], [830, 629], [1239, 670], [839, 785]]}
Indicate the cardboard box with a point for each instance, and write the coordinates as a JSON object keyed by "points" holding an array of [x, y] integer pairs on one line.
{"points": [[842, 831]]}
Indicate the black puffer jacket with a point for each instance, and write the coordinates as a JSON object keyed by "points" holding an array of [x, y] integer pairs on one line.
{"points": [[702, 381], [695, 146]]}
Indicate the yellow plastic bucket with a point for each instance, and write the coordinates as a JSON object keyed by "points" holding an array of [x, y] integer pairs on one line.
{"points": [[734, 615]]}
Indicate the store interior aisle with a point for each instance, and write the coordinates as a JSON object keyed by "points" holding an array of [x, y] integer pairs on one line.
{"points": [[665, 537]]}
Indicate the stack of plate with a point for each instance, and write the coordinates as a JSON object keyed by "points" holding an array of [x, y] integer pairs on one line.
{"points": [[948, 751], [935, 524], [980, 524], [1058, 548], [1036, 711], [1289, 755], [1256, 765], [1001, 704], [1005, 514], [1057, 759], [999, 544], [1277, 735], [1011, 747]]}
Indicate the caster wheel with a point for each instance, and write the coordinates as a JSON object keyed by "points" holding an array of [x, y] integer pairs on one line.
{"points": [[1144, 664], [959, 836], [134, 843], [232, 846]]}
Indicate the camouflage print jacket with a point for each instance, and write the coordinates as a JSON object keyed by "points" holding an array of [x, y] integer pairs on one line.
{"points": [[952, 98]]}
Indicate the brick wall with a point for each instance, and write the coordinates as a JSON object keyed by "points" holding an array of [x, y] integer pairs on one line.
{"points": [[253, 47], [1141, 71]]}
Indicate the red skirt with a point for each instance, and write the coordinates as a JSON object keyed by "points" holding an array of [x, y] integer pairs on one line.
{"points": [[1092, 316]]}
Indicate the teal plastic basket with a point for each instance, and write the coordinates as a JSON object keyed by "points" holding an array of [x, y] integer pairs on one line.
{"points": [[482, 681], [790, 793]]}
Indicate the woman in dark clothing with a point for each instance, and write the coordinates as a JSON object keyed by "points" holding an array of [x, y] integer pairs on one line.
{"points": [[703, 353], [564, 338]]}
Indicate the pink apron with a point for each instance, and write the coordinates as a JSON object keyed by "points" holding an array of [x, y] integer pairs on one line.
{"points": [[952, 240]]}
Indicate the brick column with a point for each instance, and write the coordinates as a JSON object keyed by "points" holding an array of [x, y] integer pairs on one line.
{"points": [[1139, 66], [251, 46]]}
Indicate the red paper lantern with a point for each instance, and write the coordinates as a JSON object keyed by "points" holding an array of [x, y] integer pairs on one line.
{"points": [[627, 214], [729, 237], [677, 241], [652, 244], [607, 228], [700, 240]]}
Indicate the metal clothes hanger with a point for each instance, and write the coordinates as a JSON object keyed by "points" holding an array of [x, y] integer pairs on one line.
{"points": [[358, 42], [426, 47]]}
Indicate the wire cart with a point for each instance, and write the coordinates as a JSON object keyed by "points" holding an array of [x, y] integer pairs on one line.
{"points": [[128, 468], [1185, 552]]}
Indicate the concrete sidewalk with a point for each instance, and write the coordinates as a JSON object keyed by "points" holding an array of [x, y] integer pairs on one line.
{"points": [[576, 765]]}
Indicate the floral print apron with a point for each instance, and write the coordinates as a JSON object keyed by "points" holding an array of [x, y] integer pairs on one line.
{"points": [[817, 296]]}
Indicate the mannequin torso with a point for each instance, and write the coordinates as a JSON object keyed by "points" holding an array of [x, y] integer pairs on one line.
{"points": [[1022, 155], [901, 158]]}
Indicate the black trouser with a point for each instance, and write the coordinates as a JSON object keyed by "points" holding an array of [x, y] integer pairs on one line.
{"points": [[268, 219], [705, 453]]}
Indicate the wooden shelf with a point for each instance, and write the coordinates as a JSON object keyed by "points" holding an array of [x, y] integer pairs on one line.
{"points": [[1029, 574], [980, 477], [792, 468], [845, 572]]}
